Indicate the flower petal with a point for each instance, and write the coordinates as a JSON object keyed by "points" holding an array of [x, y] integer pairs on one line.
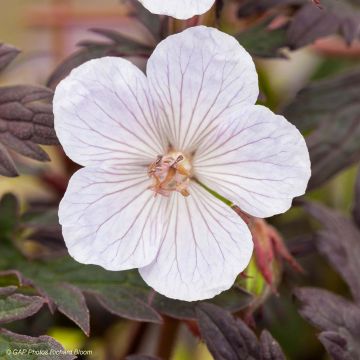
{"points": [[195, 78], [204, 247], [180, 9], [258, 160], [103, 114], [110, 218]]}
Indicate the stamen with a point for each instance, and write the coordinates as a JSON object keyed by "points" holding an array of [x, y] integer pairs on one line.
{"points": [[170, 172]]}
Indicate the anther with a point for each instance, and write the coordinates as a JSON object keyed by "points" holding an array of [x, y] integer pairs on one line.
{"points": [[170, 172]]}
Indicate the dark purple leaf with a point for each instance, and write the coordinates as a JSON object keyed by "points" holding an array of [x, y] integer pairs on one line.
{"points": [[312, 20], [15, 306], [36, 348], [70, 301], [255, 7], [63, 281], [229, 338], [74, 60], [7, 166], [7, 54], [338, 318], [123, 303], [129, 45], [115, 44], [309, 24], [270, 349], [328, 311], [25, 121], [331, 107], [233, 300], [339, 241], [335, 344], [226, 337]]}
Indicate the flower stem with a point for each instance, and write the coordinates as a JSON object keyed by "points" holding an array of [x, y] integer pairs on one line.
{"points": [[167, 337], [246, 217], [214, 193]]}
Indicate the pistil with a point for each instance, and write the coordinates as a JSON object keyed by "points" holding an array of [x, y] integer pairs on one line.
{"points": [[170, 172]]}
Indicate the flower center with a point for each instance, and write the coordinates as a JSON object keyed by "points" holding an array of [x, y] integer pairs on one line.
{"points": [[170, 172]]}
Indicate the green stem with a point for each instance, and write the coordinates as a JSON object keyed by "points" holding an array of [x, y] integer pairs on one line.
{"points": [[247, 218], [214, 193]]}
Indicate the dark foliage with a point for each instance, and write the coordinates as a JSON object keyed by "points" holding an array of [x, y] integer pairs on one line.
{"points": [[229, 338], [15, 306], [40, 348], [7, 54], [63, 281], [333, 112], [116, 43], [336, 317], [43, 275], [25, 120], [339, 242], [312, 20], [260, 41]]}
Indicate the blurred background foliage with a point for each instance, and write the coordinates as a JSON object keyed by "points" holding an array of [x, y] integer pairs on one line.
{"points": [[307, 55]]}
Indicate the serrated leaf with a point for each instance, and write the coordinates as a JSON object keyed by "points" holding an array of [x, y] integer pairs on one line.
{"points": [[309, 24], [233, 300], [270, 349], [335, 344], [7, 54], [24, 123], [336, 316], [57, 279], [253, 7], [122, 293], [332, 107], [347, 14], [327, 311], [339, 241], [114, 44], [229, 338], [311, 20], [34, 348], [70, 301], [322, 99], [62, 281], [125, 304], [15, 306]]}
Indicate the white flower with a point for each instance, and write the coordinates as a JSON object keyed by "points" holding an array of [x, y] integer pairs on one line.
{"points": [[147, 143], [180, 9]]}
